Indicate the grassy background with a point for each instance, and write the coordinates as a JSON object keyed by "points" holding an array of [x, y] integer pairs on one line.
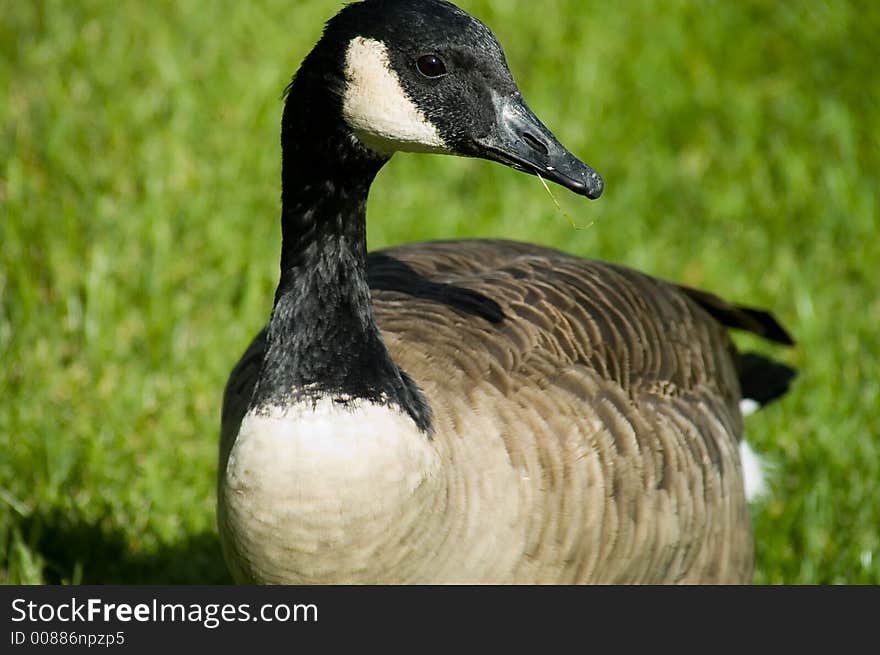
{"points": [[139, 241]]}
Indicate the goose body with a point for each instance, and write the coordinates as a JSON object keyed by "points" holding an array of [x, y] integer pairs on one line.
{"points": [[470, 411]]}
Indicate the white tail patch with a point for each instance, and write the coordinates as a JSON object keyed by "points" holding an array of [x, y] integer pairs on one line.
{"points": [[378, 110], [754, 472], [754, 467], [747, 406]]}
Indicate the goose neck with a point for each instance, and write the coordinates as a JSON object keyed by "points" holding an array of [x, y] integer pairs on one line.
{"points": [[322, 339]]}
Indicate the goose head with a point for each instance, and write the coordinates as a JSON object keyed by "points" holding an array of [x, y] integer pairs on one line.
{"points": [[424, 76]]}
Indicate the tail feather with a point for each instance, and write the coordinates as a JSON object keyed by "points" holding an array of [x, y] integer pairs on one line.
{"points": [[756, 321], [762, 380]]}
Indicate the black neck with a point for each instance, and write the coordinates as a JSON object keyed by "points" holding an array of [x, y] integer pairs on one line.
{"points": [[322, 338]]}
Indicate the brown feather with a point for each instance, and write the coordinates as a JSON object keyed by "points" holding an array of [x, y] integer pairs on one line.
{"points": [[615, 396]]}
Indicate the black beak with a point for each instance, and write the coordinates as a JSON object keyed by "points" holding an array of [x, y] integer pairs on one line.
{"points": [[522, 141]]}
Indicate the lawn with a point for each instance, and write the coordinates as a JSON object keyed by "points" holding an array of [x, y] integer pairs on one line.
{"points": [[139, 243]]}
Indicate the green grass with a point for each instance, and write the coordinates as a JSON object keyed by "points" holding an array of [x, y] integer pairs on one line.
{"points": [[139, 242]]}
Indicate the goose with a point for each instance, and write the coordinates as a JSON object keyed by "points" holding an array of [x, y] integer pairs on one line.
{"points": [[470, 411]]}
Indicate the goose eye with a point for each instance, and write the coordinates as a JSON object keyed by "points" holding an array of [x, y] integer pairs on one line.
{"points": [[431, 66]]}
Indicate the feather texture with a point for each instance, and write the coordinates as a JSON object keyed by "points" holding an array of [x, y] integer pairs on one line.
{"points": [[586, 414]]}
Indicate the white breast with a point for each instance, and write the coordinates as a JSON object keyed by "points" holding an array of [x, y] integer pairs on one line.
{"points": [[324, 487]]}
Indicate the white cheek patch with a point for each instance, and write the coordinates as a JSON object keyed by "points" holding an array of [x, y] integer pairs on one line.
{"points": [[376, 107]]}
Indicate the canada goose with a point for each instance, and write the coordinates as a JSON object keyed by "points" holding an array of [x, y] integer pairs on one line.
{"points": [[470, 411]]}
